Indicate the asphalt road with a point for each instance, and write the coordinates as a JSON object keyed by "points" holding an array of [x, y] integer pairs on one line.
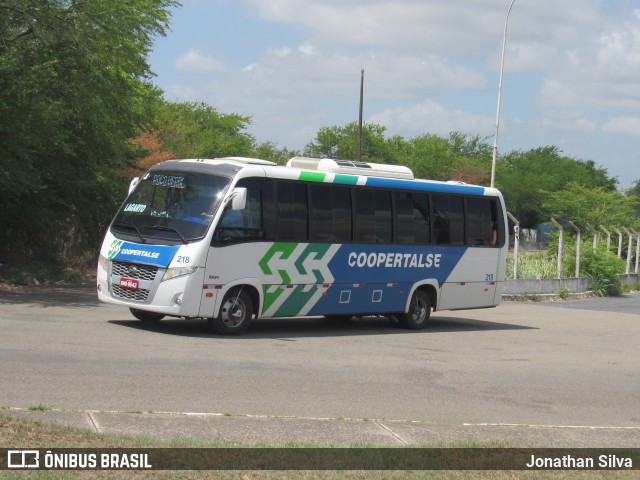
{"points": [[561, 364]]}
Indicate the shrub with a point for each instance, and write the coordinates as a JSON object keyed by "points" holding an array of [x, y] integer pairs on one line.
{"points": [[603, 269], [533, 265]]}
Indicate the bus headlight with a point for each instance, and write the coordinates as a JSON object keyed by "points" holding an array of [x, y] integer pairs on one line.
{"points": [[178, 272], [104, 263]]}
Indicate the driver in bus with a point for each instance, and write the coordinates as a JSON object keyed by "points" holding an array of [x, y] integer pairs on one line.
{"points": [[494, 235], [232, 223]]}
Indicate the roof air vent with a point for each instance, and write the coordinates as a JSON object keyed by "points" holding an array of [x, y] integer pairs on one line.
{"points": [[349, 167]]}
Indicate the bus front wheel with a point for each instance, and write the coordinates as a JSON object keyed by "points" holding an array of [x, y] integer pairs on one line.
{"points": [[419, 311], [235, 313]]}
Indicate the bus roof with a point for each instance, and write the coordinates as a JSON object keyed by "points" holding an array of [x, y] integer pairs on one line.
{"points": [[346, 173]]}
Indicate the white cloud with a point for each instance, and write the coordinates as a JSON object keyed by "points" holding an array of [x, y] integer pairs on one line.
{"points": [[431, 117], [432, 25], [309, 71], [194, 61], [279, 52], [251, 67], [422, 25], [571, 68], [308, 49], [625, 125], [601, 74], [619, 46], [569, 124], [532, 57]]}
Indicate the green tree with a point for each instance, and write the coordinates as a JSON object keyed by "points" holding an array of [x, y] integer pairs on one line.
{"points": [[198, 130], [74, 86], [588, 205], [83, 63], [430, 157], [526, 178], [342, 143], [634, 195], [458, 157], [465, 146], [270, 151], [470, 158]]}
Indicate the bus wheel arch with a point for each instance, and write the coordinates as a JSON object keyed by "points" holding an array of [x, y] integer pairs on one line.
{"points": [[246, 285], [237, 309], [255, 298], [418, 312]]}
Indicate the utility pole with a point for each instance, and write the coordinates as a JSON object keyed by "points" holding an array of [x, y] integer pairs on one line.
{"points": [[360, 116], [495, 138]]}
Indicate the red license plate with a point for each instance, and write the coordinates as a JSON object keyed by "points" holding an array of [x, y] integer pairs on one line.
{"points": [[129, 283]]}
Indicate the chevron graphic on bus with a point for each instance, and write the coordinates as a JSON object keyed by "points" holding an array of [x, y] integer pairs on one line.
{"points": [[300, 278], [292, 273]]}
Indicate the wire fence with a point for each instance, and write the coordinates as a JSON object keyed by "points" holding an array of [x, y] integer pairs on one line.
{"points": [[562, 238]]}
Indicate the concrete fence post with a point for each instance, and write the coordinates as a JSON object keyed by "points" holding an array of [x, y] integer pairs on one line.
{"points": [[560, 246], [620, 236], [578, 246], [608, 237], [595, 236], [629, 249], [637, 247], [516, 243]]}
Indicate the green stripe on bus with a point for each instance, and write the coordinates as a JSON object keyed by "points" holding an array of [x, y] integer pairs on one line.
{"points": [[291, 306], [312, 176], [346, 179], [270, 296]]}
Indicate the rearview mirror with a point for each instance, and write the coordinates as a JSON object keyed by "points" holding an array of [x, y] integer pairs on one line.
{"points": [[239, 199], [133, 183]]}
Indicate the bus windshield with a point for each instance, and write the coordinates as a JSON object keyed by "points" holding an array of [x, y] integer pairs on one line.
{"points": [[172, 206]]}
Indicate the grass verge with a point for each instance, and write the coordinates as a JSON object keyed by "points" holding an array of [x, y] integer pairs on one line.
{"points": [[19, 433]]}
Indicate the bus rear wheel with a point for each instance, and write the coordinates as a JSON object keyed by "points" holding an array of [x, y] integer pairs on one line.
{"points": [[419, 312], [235, 314], [146, 317]]}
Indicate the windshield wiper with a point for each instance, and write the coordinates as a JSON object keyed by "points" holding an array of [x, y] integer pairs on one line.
{"points": [[131, 227], [170, 229]]}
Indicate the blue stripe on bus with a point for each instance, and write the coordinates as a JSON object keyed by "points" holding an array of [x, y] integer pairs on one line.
{"points": [[429, 187], [158, 255], [378, 278]]}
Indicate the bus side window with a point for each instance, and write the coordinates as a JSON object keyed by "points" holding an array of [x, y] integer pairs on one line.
{"points": [[373, 216], [448, 220], [242, 225], [330, 214], [481, 225], [291, 204], [412, 225], [497, 222], [253, 210]]}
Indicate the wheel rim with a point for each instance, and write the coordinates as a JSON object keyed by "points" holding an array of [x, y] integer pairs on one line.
{"points": [[233, 312], [419, 311]]}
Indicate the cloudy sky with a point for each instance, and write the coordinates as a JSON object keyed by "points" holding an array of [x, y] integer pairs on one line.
{"points": [[571, 72]]}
